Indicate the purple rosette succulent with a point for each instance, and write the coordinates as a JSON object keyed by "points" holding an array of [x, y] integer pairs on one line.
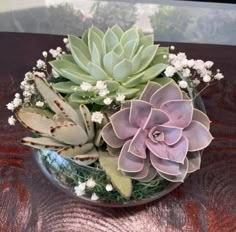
{"points": [[159, 133]]}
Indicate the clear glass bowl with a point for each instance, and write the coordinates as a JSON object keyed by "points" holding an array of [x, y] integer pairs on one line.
{"points": [[62, 172]]}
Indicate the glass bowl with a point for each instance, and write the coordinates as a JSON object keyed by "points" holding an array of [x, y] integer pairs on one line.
{"points": [[62, 173]]}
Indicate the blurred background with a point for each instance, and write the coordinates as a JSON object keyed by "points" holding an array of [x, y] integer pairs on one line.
{"points": [[174, 21]]}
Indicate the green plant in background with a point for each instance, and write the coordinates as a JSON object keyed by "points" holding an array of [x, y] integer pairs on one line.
{"points": [[108, 14], [170, 22], [110, 64]]}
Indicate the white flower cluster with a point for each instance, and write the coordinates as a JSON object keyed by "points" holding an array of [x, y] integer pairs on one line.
{"points": [[66, 42], [90, 184], [27, 86], [56, 53], [40, 64], [101, 89], [194, 71]]}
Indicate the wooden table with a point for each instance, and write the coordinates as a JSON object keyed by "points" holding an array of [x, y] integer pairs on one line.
{"points": [[30, 203]]}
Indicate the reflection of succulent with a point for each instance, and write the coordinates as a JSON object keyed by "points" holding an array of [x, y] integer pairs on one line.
{"points": [[161, 127], [123, 60], [107, 14], [169, 23], [69, 131]]}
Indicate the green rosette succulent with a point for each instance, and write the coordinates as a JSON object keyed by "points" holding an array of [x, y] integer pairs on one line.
{"points": [[123, 60]]}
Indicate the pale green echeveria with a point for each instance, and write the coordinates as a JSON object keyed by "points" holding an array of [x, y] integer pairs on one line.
{"points": [[65, 129], [125, 61]]}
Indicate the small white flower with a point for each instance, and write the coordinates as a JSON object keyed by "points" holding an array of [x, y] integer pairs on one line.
{"points": [[94, 197], [65, 40], [82, 186], [63, 53], [11, 121], [178, 65], [109, 187], [164, 56], [196, 81], [107, 101], [103, 92], [90, 183], [39, 104], [85, 86], [59, 49], [170, 71], [10, 106], [40, 64], [219, 76], [209, 64], [218, 70], [199, 65], [186, 72], [29, 76], [97, 117], [55, 73], [40, 74], [206, 78], [183, 84], [17, 95], [17, 102], [172, 47], [100, 85], [79, 191], [120, 97], [190, 63], [45, 54]]}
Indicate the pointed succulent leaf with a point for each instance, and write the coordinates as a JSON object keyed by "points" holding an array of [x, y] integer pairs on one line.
{"points": [[80, 58], [68, 58], [75, 150], [88, 158], [85, 37], [70, 134], [131, 34], [130, 48], [137, 59], [133, 80], [163, 80], [146, 40], [94, 38], [78, 43], [98, 141], [34, 121], [64, 87], [119, 51], [77, 98], [76, 77], [147, 56], [140, 33], [117, 30], [122, 183], [96, 56], [87, 121], [110, 41], [110, 60], [152, 72], [122, 70], [112, 86], [54, 100], [96, 72], [97, 31], [42, 143], [128, 92]]}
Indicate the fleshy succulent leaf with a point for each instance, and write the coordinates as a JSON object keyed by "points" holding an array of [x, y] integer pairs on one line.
{"points": [[34, 121], [54, 100], [96, 72], [64, 87], [122, 70], [110, 60], [122, 183], [117, 30], [88, 158], [72, 151], [110, 41]]}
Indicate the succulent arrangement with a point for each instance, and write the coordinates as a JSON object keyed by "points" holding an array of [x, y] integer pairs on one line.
{"points": [[118, 112]]}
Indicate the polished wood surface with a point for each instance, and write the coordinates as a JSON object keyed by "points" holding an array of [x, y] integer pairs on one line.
{"points": [[30, 203]]}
